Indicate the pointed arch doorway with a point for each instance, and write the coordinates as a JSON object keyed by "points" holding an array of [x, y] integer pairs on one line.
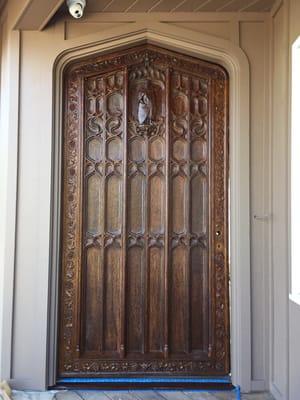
{"points": [[144, 268]]}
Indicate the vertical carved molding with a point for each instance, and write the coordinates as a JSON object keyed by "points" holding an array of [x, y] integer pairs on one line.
{"points": [[124, 227], [71, 196], [167, 223]]}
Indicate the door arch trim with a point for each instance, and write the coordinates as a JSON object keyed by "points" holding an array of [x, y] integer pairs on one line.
{"points": [[235, 61]]}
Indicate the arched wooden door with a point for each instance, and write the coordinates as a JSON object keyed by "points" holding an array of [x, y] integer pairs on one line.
{"points": [[144, 270]]}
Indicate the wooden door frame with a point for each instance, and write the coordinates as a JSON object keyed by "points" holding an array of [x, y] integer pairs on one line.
{"points": [[232, 58]]}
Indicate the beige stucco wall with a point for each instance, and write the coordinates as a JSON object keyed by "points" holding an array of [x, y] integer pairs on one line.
{"points": [[34, 72]]}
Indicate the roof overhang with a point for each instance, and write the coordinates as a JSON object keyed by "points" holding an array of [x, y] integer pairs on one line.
{"points": [[37, 13]]}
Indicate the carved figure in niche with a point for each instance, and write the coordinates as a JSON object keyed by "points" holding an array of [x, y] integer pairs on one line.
{"points": [[144, 108]]}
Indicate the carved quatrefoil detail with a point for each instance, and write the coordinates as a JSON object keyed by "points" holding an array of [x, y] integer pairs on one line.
{"points": [[156, 168], [179, 168], [106, 239], [135, 167], [186, 239], [156, 240], [201, 168], [136, 240]]}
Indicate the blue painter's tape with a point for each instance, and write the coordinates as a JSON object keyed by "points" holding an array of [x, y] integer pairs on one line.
{"points": [[145, 380], [238, 393]]}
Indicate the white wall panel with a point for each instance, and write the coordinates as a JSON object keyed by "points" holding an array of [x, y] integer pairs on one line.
{"points": [[279, 278], [255, 42]]}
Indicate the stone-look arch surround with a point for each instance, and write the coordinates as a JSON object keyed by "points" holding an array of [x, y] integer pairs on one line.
{"points": [[234, 60]]}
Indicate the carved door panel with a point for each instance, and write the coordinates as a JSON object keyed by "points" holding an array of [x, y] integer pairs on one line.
{"points": [[144, 271]]}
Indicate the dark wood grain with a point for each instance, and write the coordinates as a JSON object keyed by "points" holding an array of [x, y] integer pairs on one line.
{"points": [[144, 268]]}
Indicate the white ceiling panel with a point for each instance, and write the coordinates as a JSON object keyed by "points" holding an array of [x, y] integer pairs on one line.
{"points": [[190, 5], [178, 5]]}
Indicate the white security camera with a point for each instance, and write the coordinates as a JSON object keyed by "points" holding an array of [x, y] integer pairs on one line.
{"points": [[76, 7]]}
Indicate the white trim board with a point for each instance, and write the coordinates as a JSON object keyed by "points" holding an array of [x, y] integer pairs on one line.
{"points": [[9, 143]]}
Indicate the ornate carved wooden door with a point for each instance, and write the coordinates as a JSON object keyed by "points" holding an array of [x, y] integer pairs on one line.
{"points": [[144, 272]]}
